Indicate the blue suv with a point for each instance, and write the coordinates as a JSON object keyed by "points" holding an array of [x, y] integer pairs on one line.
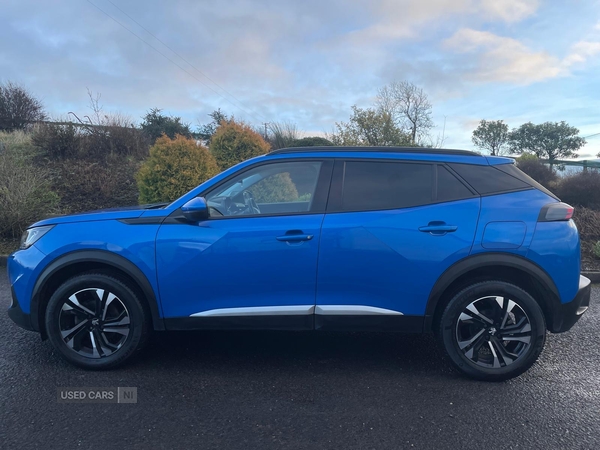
{"points": [[402, 239]]}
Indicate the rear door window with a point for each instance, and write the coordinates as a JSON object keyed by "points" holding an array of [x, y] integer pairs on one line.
{"points": [[449, 188], [372, 185]]}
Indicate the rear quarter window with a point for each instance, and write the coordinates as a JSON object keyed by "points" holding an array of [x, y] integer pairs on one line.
{"points": [[488, 179], [513, 170]]}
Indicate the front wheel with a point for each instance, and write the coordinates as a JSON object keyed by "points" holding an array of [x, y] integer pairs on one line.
{"points": [[493, 331], [96, 321]]}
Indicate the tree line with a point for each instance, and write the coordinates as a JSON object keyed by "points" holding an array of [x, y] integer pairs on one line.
{"points": [[401, 115], [548, 140]]}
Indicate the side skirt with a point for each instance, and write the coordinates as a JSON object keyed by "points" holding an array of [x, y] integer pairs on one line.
{"points": [[381, 322], [266, 322], [399, 323]]}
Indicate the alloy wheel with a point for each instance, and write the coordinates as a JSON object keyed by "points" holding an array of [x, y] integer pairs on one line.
{"points": [[493, 332], [94, 323]]}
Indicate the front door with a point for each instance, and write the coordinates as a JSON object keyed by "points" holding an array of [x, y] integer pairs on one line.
{"points": [[254, 261]]}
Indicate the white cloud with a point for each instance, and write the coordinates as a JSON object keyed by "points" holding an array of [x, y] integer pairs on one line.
{"points": [[398, 19], [581, 52], [504, 59], [509, 10]]}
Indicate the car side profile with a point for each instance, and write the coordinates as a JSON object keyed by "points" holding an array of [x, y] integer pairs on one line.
{"points": [[388, 239]]}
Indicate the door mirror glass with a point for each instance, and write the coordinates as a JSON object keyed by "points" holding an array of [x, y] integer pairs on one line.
{"points": [[195, 210]]}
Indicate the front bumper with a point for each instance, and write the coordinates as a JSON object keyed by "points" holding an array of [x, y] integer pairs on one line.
{"points": [[17, 315], [567, 314]]}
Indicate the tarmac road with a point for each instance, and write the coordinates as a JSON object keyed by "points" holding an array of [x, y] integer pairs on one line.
{"points": [[301, 390]]}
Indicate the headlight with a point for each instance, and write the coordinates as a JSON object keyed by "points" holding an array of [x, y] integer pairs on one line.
{"points": [[32, 235]]}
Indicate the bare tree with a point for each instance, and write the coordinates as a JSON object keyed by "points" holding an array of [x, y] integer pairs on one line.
{"points": [[369, 127], [409, 106], [18, 107], [95, 106]]}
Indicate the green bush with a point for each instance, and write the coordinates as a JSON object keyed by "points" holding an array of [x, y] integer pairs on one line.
{"points": [[19, 142], [596, 249], [85, 185], [311, 141], [540, 172], [25, 194], [114, 138], [57, 141], [580, 189], [276, 188], [18, 107], [156, 124], [235, 142], [173, 168]]}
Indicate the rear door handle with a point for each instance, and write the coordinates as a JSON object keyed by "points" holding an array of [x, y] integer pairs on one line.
{"points": [[295, 237], [438, 228]]}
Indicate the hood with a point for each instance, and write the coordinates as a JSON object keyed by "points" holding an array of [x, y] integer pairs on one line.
{"points": [[126, 212]]}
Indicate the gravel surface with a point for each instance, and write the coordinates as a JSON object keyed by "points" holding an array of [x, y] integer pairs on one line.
{"points": [[301, 390]]}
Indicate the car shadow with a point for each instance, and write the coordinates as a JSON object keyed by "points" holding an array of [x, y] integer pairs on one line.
{"points": [[303, 350]]}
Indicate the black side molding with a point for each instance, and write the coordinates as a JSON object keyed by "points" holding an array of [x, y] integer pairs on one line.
{"points": [[275, 322], [378, 322], [398, 323], [143, 221]]}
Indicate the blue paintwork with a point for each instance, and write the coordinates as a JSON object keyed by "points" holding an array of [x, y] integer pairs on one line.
{"points": [[135, 243], [523, 205], [555, 247], [383, 259], [23, 269], [503, 235], [93, 216], [496, 160], [237, 262]]}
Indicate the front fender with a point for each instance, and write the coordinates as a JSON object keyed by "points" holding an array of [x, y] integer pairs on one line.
{"points": [[105, 258]]}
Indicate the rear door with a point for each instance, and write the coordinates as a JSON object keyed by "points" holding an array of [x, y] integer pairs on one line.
{"points": [[391, 229]]}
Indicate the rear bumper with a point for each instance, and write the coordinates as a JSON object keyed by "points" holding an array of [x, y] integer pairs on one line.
{"points": [[567, 314], [17, 315]]}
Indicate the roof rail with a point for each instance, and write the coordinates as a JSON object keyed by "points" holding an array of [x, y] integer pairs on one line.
{"points": [[435, 151]]}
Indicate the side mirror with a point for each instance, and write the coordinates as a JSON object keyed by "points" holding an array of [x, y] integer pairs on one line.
{"points": [[195, 210]]}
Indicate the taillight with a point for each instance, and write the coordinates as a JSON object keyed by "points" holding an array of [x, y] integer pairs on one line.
{"points": [[556, 211]]}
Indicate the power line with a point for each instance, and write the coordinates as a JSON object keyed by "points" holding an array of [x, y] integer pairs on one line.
{"points": [[167, 58], [240, 104], [592, 135]]}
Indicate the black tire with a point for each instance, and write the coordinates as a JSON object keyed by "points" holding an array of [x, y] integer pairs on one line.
{"points": [[495, 351], [96, 321]]}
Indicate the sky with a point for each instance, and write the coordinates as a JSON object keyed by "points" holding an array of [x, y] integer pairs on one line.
{"points": [[309, 61]]}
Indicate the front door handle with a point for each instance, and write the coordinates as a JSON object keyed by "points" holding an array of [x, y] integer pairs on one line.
{"points": [[295, 237], [438, 228]]}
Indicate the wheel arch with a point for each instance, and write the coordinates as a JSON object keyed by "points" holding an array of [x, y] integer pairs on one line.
{"points": [[499, 266], [78, 262]]}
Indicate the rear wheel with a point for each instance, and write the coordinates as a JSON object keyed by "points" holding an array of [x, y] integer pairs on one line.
{"points": [[95, 321], [493, 330]]}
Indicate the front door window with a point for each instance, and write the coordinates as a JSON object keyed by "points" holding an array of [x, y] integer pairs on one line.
{"points": [[278, 188]]}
